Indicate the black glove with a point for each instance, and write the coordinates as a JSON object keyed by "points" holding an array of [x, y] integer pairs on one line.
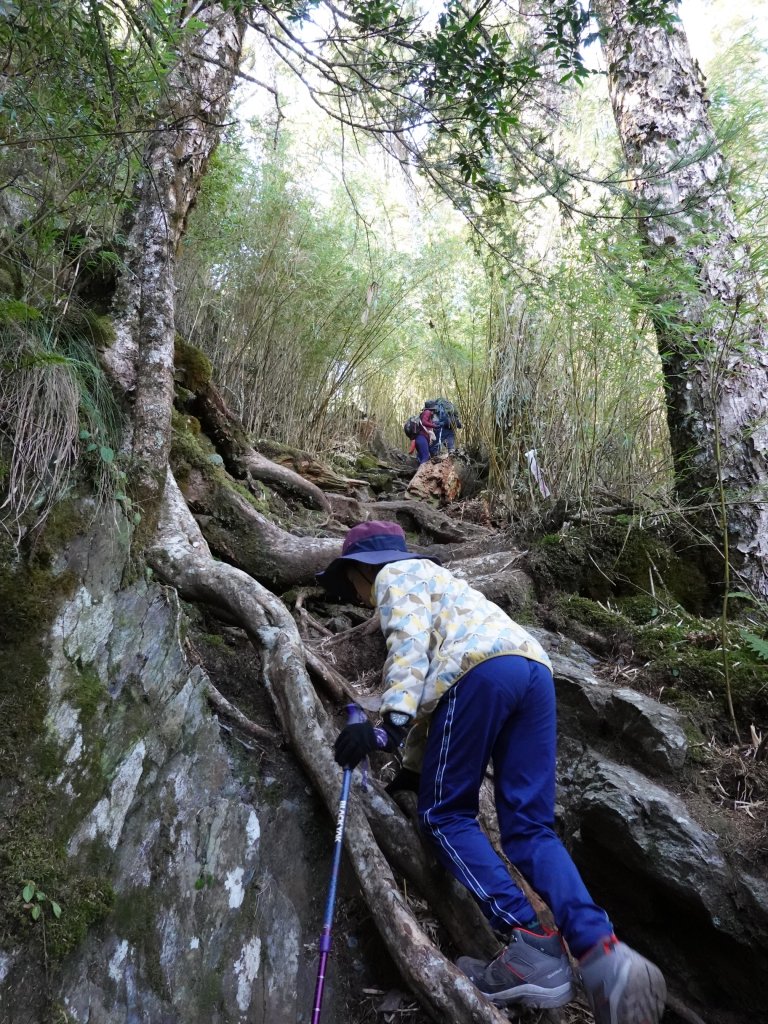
{"points": [[353, 743], [405, 781]]}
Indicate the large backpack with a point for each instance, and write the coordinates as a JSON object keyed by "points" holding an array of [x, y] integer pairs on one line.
{"points": [[412, 427], [446, 413]]}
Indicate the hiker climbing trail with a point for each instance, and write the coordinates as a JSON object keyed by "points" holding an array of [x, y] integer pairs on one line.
{"points": [[250, 253]]}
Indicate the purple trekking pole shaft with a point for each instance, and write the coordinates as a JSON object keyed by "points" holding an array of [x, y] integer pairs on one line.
{"points": [[354, 714]]}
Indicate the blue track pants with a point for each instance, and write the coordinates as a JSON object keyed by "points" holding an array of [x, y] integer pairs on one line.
{"points": [[445, 441], [504, 710], [422, 448]]}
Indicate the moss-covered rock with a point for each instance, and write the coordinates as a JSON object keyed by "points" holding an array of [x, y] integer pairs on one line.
{"points": [[600, 617], [366, 463], [193, 367], [681, 654], [639, 608], [33, 836], [615, 559], [103, 331], [29, 595], [30, 852], [191, 452], [135, 915]]}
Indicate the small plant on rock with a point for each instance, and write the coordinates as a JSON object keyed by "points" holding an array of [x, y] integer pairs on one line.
{"points": [[36, 902]]}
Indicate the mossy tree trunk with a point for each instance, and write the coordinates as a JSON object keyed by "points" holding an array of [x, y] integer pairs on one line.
{"points": [[186, 131], [712, 335]]}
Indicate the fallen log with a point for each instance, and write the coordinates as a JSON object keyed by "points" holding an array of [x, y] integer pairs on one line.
{"points": [[415, 515], [441, 480], [307, 466], [242, 460]]}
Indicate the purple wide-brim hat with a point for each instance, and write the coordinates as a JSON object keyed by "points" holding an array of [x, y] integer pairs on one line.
{"points": [[373, 543]]}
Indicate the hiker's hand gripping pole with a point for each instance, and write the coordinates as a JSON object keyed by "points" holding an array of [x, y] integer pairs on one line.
{"points": [[354, 716]]}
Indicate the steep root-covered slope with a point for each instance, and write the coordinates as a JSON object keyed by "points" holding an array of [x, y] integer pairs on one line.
{"points": [[189, 847]]}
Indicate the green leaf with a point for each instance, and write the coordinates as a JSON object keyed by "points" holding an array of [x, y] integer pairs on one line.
{"points": [[107, 454], [36, 912], [40, 896], [755, 644], [28, 892], [55, 908]]}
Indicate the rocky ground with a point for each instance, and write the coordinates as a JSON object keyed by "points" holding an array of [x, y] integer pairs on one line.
{"points": [[651, 775]]}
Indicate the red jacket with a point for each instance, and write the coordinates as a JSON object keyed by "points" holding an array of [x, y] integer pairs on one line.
{"points": [[428, 421]]}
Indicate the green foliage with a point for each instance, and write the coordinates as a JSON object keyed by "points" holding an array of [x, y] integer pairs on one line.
{"points": [[14, 310], [477, 74], [305, 319], [738, 86], [81, 85], [31, 849], [758, 645], [57, 408], [35, 901]]}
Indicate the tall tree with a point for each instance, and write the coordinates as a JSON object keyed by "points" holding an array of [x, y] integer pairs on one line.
{"points": [[712, 335], [187, 128]]}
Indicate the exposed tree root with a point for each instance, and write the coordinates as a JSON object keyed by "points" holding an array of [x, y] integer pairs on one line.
{"points": [[239, 534], [415, 514], [451, 553], [349, 511], [240, 457], [450, 902], [683, 1011], [335, 684], [218, 701], [181, 556], [308, 621], [371, 625]]}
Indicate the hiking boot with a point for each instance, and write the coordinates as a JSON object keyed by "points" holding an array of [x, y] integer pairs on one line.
{"points": [[533, 970], [622, 987]]}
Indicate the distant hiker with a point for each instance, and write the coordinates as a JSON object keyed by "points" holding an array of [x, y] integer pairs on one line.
{"points": [[447, 422], [466, 685], [426, 437]]}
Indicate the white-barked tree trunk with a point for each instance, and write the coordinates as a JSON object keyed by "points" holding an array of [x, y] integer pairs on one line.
{"points": [[187, 129], [712, 335]]}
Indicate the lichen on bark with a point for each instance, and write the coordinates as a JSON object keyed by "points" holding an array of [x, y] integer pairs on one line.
{"points": [[711, 328]]}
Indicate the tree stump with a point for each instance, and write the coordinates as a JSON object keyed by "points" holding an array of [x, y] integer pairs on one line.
{"points": [[438, 480]]}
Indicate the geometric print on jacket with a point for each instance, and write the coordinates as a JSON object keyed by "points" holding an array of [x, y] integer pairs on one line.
{"points": [[437, 627]]}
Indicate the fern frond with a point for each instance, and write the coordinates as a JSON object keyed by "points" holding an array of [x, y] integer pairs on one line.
{"points": [[756, 644]]}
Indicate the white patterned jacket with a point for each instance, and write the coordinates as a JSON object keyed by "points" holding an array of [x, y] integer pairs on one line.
{"points": [[437, 628]]}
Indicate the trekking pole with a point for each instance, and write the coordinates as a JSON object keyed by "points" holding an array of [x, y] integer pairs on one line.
{"points": [[355, 714]]}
